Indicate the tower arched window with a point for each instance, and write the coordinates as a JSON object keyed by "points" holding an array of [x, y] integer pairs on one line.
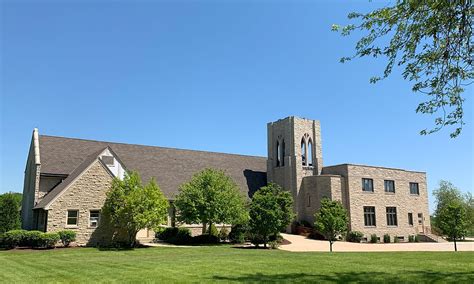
{"points": [[282, 152], [278, 154], [310, 153], [303, 152]]}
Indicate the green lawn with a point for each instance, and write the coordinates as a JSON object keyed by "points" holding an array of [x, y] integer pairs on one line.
{"points": [[226, 264]]}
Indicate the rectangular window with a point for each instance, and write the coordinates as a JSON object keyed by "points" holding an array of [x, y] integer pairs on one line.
{"points": [[389, 186], [94, 216], [368, 184], [369, 216], [414, 189], [309, 201], [410, 219], [72, 217], [420, 218], [392, 216]]}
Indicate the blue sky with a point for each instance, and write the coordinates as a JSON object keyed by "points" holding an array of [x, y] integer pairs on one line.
{"points": [[209, 75]]}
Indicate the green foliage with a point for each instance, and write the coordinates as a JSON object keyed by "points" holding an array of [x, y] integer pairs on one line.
{"points": [[373, 238], [205, 239], [237, 234], [386, 238], [31, 239], [432, 40], [48, 240], [210, 197], [13, 238], [451, 213], [354, 236], [396, 240], [167, 233], [271, 211], [212, 230], [416, 239], [132, 206], [10, 203], [411, 238], [224, 234], [331, 220], [183, 236], [67, 237]]}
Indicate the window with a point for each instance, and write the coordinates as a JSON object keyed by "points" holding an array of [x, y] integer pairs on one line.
{"points": [[389, 186], [310, 153], [108, 160], [278, 153], [401, 238], [303, 152], [420, 218], [94, 216], [309, 201], [392, 216], [414, 188], [367, 184], [72, 217], [410, 219], [282, 152], [369, 216]]}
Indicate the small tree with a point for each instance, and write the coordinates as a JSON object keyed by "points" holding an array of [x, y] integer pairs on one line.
{"points": [[9, 211], [331, 220], [132, 206], [210, 197], [271, 211]]}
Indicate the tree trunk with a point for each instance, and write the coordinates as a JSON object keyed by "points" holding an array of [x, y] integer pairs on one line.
{"points": [[204, 228], [455, 245], [330, 246], [265, 244]]}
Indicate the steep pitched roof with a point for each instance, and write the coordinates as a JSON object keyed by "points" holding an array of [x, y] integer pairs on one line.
{"points": [[48, 198], [170, 167]]}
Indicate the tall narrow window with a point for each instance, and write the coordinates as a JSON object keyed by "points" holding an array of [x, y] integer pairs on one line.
{"points": [[310, 153], [392, 216], [389, 186], [282, 159], [369, 216], [72, 217], [278, 153], [309, 201], [410, 219], [303, 152], [368, 184], [414, 189]]}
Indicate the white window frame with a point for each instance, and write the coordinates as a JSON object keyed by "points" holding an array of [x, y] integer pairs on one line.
{"points": [[90, 218], [67, 218]]}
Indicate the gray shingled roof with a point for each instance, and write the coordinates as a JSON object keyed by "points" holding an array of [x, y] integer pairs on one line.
{"points": [[170, 167]]}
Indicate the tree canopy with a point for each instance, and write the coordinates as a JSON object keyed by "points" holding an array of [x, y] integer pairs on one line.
{"points": [[331, 220], [10, 203], [432, 40], [210, 197], [271, 211], [133, 206]]}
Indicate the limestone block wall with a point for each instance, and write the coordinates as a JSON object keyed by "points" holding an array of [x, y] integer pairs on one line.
{"points": [[46, 184], [30, 188], [87, 193]]}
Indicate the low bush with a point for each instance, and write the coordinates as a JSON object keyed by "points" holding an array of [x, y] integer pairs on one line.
{"points": [[31, 239], [417, 238], [411, 238], [373, 238], [212, 230], [237, 234], [13, 238], [386, 238], [273, 244], [395, 239], [354, 236], [205, 239], [223, 234], [48, 240], [183, 236], [168, 233], [67, 237]]}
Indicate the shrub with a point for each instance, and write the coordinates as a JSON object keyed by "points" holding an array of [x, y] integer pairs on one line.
{"points": [[273, 244], [67, 237], [223, 234], [411, 238], [212, 230], [305, 223], [256, 239], [386, 238], [417, 239], [13, 238], [395, 239], [205, 239], [354, 236], [31, 238], [168, 233], [237, 234], [48, 240], [373, 238], [183, 236]]}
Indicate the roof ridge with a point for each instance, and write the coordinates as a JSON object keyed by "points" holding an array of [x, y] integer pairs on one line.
{"points": [[151, 146]]}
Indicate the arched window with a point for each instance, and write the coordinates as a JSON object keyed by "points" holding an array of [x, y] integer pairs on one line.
{"points": [[282, 152], [310, 153], [303, 152], [278, 153]]}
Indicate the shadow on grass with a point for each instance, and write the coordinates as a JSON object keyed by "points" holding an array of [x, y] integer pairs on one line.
{"points": [[345, 277]]}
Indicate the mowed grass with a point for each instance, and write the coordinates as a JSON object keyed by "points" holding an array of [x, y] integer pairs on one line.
{"points": [[227, 264]]}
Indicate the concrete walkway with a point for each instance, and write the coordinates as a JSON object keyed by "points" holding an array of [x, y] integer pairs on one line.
{"points": [[300, 243]]}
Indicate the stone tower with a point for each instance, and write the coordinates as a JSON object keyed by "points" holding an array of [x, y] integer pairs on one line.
{"points": [[294, 152]]}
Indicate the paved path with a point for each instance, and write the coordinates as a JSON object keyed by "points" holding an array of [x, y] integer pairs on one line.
{"points": [[300, 243]]}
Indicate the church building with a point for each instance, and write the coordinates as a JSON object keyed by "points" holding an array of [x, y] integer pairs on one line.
{"points": [[66, 180]]}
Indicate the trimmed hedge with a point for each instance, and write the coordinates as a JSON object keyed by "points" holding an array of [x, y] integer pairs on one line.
{"points": [[354, 236], [373, 238], [33, 239], [386, 238], [67, 237]]}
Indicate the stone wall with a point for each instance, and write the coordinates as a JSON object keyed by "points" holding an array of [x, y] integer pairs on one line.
{"points": [[46, 184], [31, 184], [87, 193]]}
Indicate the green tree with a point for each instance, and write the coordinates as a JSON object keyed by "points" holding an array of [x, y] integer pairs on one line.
{"points": [[469, 201], [451, 215], [331, 220], [432, 40], [271, 211], [132, 206], [210, 197], [10, 203]]}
